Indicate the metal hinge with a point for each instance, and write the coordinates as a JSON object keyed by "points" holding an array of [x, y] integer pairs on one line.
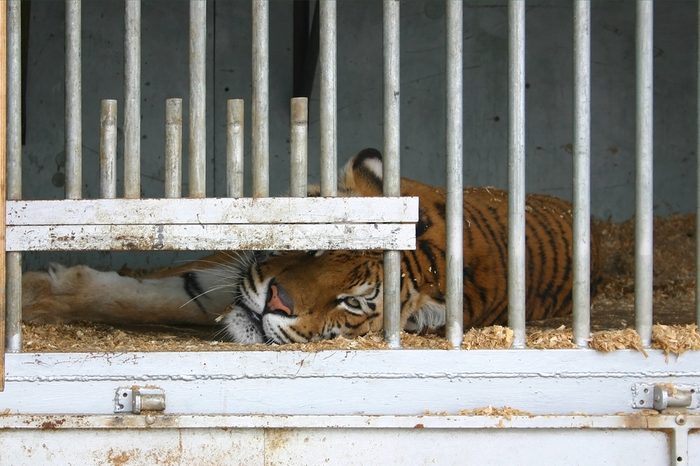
{"points": [[662, 396], [137, 399]]}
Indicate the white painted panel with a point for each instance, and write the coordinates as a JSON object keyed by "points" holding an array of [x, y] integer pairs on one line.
{"points": [[459, 448], [213, 211], [122, 447], [406, 382], [694, 446], [210, 237], [361, 446]]}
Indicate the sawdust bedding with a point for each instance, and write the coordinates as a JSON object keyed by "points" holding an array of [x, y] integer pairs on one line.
{"points": [[612, 311]]}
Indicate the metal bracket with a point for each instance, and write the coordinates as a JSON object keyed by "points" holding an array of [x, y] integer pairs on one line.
{"points": [[661, 396], [137, 399]]}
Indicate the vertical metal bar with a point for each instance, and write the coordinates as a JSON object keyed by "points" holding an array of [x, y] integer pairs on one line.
{"points": [[455, 196], [234, 147], [14, 99], [132, 99], [516, 172], [697, 216], [3, 183], [260, 133], [108, 149], [392, 182], [13, 288], [582, 164], [198, 95], [299, 147], [644, 242], [173, 148], [329, 116], [74, 152]]}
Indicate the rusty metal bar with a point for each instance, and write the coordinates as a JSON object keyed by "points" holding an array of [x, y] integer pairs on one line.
{"points": [[697, 216], [198, 96], [234, 147], [329, 114], [132, 99], [644, 227], [108, 149], [3, 182], [582, 170], [392, 259], [299, 147], [13, 300], [455, 198], [173, 148], [73, 116], [516, 172], [260, 133]]}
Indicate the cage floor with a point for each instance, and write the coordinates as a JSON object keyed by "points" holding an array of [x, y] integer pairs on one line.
{"points": [[611, 315]]}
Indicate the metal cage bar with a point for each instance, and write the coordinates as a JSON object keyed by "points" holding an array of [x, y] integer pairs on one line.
{"points": [[260, 130], [173, 148], [582, 167], [516, 172], [108, 149], [644, 257], [299, 147], [454, 208], [74, 151], [697, 213], [132, 99], [235, 125], [392, 259], [329, 116], [13, 299], [3, 177], [198, 96]]}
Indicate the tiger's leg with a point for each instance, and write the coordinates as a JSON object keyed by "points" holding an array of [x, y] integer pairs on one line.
{"points": [[194, 294]]}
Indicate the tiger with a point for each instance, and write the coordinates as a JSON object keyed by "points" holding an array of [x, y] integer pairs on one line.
{"points": [[301, 296]]}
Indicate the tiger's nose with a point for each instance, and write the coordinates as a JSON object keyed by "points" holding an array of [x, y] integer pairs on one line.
{"points": [[279, 300]]}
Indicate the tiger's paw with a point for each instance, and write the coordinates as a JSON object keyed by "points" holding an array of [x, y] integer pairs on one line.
{"points": [[60, 294]]}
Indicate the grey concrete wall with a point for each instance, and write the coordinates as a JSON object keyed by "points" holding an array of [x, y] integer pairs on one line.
{"points": [[549, 103]]}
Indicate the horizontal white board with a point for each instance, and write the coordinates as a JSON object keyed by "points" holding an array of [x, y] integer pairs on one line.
{"points": [[213, 211], [343, 382], [210, 237]]}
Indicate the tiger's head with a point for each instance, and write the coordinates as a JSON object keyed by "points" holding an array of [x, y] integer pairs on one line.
{"points": [[301, 296]]}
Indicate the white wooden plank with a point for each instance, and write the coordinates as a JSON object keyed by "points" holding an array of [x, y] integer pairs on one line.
{"points": [[356, 421], [54, 440], [403, 382], [213, 211], [210, 237]]}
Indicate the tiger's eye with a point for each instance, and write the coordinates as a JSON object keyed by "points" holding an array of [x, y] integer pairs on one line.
{"points": [[353, 302]]}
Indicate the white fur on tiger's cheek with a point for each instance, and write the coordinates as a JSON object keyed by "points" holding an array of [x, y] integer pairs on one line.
{"points": [[240, 328]]}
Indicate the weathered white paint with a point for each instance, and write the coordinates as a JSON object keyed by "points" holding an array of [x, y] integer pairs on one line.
{"points": [[251, 440], [213, 210], [210, 237], [343, 382]]}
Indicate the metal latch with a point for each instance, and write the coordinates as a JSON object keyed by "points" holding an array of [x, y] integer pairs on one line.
{"points": [[136, 399], [662, 396]]}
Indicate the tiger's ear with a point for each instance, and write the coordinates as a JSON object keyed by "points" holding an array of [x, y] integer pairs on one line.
{"points": [[363, 173]]}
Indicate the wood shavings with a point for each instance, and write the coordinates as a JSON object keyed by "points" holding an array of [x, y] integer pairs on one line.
{"points": [[557, 338], [612, 340], [504, 411], [676, 339], [494, 337]]}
